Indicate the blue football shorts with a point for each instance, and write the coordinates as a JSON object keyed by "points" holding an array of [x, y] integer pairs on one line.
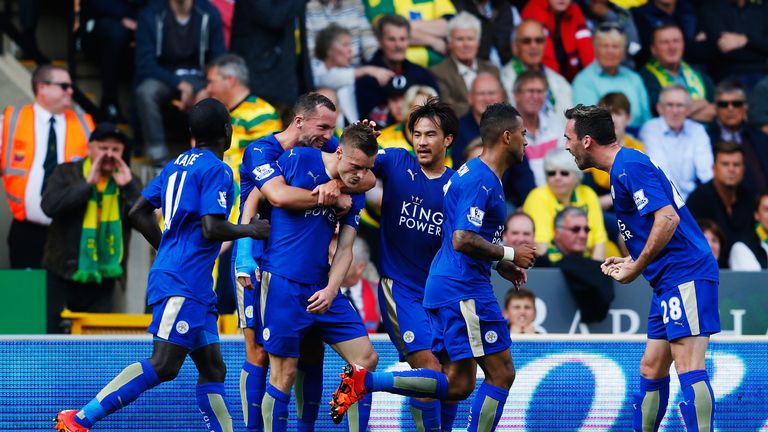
{"points": [[185, 322], [404, 317], [689, 309], [287, 322], [469, 329]]}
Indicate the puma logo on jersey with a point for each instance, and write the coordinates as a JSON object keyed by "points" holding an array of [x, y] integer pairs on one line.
{"points": [[487, 191], [314, 177], [291, 154], [413, 174]]}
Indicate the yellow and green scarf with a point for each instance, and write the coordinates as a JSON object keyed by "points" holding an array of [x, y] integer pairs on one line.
{"points": [[762, 234], [101, 241], [693, 80]]}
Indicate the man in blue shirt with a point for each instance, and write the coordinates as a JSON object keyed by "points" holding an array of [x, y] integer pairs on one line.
{"points": [[194, 192], [468, 327], [261, 177], [299, 290], [668, 248], [411, 229]]}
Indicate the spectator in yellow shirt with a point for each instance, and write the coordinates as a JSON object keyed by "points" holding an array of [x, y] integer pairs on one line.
{"points": [[564, 189]]}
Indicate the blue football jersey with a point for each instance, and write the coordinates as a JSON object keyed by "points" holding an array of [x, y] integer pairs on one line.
{"points": [[260, 166], [639, 188], [474, 201], [195, 184], [411, 217], [298, 243]]}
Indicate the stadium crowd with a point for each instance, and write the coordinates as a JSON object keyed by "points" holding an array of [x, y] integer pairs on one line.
{"points": [[682, 78]]}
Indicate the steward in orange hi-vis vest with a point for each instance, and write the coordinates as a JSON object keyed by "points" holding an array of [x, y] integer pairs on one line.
{"points": [[18, 150]]}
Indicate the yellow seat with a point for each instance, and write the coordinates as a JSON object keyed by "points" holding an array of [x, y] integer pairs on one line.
{"points": [[120, 323]]}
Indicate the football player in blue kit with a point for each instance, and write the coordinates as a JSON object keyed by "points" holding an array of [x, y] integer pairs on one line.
{"points": [[299, 289], [194, 192], [261, 180], [468, 327], [411, 227], [260, 176], [667, 247]]}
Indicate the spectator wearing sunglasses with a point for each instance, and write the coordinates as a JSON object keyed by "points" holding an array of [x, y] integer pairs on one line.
{"points": [[569, 251], [730, 124], [606, 75], [35, 138], [571, 234], [568, 47], [564, 189], [528, 47], [666, 66], [602, 13]]}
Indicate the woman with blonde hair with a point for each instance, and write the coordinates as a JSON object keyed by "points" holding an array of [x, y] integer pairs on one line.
{"points": [[564, 189]]}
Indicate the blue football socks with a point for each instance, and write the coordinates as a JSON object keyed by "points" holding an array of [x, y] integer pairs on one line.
{"points": [[252, 385], [211, 399], [122, 390], [274, 409], [415, 382], [650, 404], [698, 406], [487, 408]]}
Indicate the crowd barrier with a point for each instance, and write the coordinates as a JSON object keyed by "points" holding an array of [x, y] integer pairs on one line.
{"points": [[564, 383]]}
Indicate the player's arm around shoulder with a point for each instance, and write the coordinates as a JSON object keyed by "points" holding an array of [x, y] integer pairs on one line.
{"points": [[282, 195]]}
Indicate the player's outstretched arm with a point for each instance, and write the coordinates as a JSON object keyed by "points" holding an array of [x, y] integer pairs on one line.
{"points": [[142, 217], [321, 301], [216, 228], [665, 221], [475, 246]]}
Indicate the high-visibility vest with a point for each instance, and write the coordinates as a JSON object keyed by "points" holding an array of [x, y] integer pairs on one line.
{"points": [[19, 150]]}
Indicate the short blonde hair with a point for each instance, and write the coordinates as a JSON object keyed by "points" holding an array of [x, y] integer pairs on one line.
{"points": [[411, 94], [562, 159]]}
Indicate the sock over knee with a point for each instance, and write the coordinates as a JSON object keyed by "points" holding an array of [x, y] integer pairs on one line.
{"points": [[211, 399], [650, 404], [274, 409], [122, 390], [487, 408], [698, 406], [252, 385], [414, 382]]}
